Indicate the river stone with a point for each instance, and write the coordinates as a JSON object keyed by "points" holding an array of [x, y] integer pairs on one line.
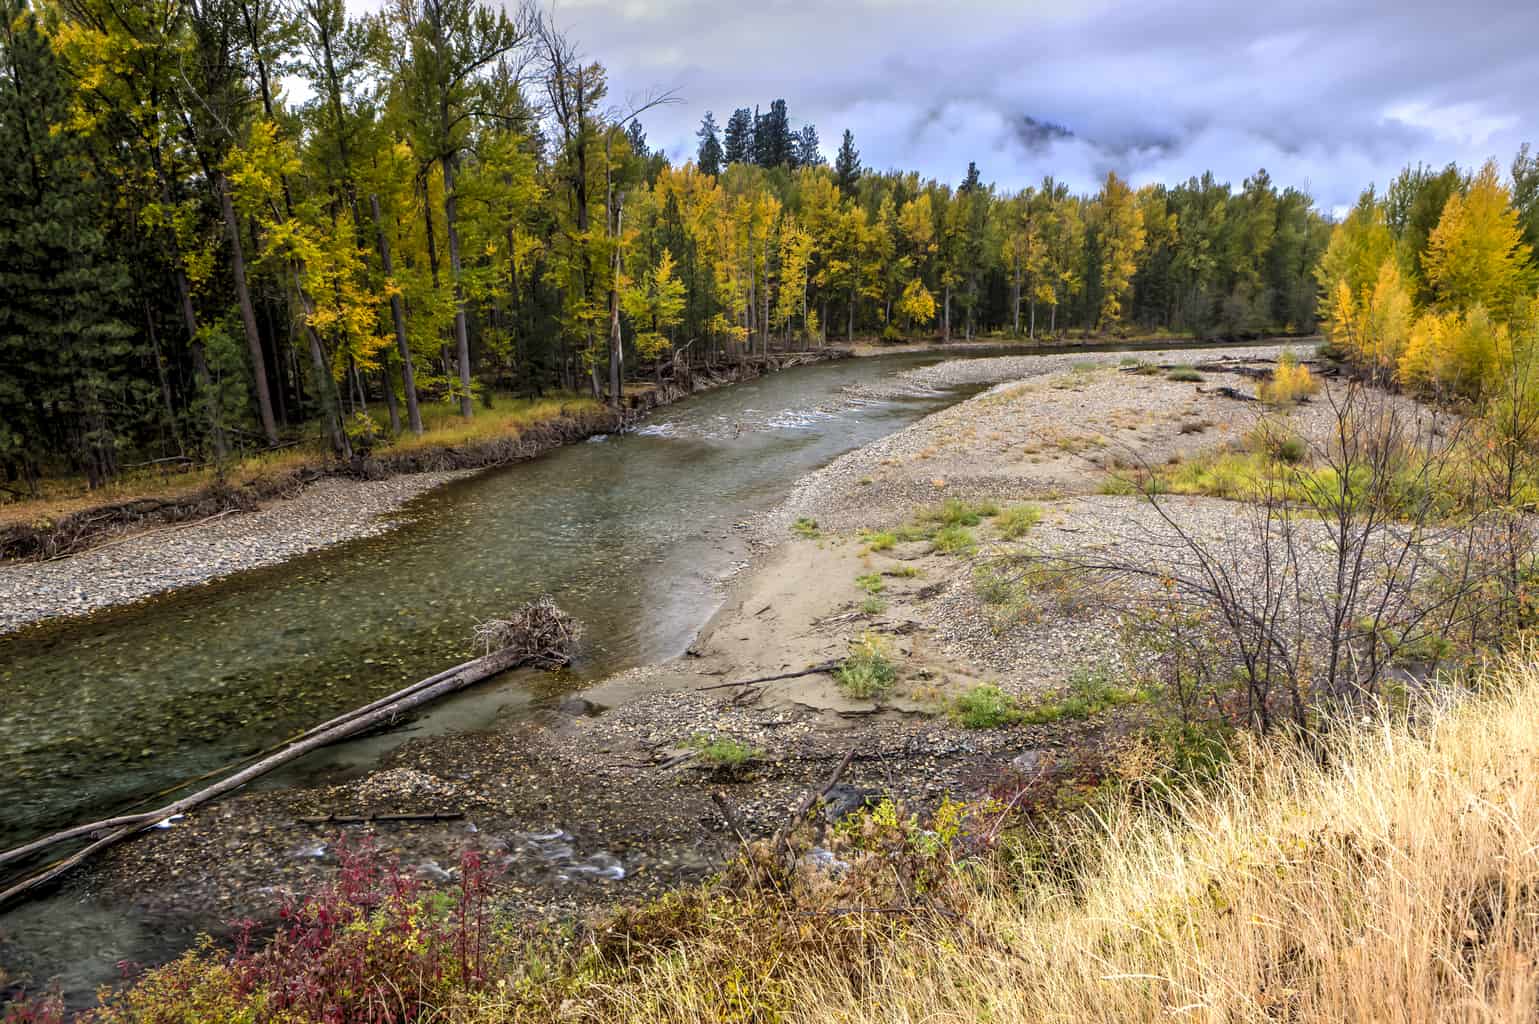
{"points": [[1028, 762], [844, 800], [578, 707]]}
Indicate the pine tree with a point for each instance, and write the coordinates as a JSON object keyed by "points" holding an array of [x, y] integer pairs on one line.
{"points": [[807, 152], [637, 137], [774, 143], [709, 157], [847, 164], [1525, 194], [738, 141], [64, 350]]}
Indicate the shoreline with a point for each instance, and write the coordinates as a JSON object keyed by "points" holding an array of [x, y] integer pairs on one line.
{"points": [[643, 818], [604, 796], [213, 536]]}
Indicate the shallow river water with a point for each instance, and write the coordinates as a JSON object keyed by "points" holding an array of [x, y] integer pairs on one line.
{"points": [[631, 534]]}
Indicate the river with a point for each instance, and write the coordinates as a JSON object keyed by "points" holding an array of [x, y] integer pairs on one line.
{"points": [[632, 534]]}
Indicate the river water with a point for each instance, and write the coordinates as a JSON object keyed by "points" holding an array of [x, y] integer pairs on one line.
{"points": [[632, 534], [629, 533]]}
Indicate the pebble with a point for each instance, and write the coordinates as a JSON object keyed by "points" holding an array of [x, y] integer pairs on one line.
{"points": [[118, 572]]}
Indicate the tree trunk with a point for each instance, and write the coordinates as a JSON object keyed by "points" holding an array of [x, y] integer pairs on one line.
{"points": [[398, 315], [1015, 302], [200, 365], [461, 337], [331, 412], [616, 353], [390, 400], [165, 382], [946, 316], [247, 313]]}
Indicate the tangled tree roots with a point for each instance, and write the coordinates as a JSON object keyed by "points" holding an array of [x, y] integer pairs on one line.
{"points": [[541, 633]]}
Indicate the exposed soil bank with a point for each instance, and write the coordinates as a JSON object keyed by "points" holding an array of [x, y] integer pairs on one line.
{"points": [[115, 554]]}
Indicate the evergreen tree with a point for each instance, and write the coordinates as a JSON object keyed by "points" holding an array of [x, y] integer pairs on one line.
{"points": [[847, 164], [807, 152], [637, 137], [1525, 194], [738, 142], [973, 181], [64, 351], [710, 156], [774, 143]]}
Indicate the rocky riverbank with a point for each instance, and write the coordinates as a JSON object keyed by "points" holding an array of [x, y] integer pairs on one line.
{"points": [[625, 797], [617, 792], [135, 550], [145, 564]]}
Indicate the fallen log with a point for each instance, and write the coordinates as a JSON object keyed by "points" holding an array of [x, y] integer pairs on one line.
{"points": [[811, 670], [364, 819], [109, 831]]}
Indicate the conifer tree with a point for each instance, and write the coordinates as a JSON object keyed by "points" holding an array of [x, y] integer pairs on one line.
{"points": [[808, 153], [847, 164], [64, 348], [738, 141], [709, 156]]}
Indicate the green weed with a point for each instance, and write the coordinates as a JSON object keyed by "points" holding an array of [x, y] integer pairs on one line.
{"points": [[984, 707], [871, 583], [1017, 520], [867, 671], [953, 540]]}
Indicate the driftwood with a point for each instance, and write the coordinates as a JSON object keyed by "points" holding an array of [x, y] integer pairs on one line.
{"points": [[811, 670], [812, 796], [361, 819], [110, 831], [543, 633]]}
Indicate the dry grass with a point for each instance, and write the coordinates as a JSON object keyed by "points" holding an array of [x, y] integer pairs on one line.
{"points": [[442, 425], [1403, 884]]}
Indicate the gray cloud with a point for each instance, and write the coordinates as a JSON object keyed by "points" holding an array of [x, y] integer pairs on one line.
{"points": [[1332, 95]]}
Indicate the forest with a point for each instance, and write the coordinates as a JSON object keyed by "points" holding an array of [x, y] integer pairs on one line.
{"points": [[229, 225]]}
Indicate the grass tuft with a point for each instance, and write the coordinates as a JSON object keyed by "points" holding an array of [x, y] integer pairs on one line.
{"points": [[806, 528], [867, 671], [985, 707], [1017, 520]]}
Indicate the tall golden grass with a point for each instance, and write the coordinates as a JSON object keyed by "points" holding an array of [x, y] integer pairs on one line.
{"points": [[1399, 883]]}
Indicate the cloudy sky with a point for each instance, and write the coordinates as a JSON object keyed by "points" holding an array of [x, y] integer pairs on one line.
{"points": [[1328, 96]]}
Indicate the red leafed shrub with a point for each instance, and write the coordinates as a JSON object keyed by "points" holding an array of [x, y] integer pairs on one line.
{"points": [[43, 1009], [373, 947]]}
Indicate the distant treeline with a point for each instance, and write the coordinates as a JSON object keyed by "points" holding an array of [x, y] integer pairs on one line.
{"points": [[194, 263]]}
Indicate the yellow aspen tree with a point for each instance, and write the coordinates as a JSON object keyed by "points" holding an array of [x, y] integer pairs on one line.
{"points": [[1119, 223], [1476, 255]]}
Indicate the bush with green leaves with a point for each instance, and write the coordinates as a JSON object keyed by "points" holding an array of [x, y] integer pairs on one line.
{"points": [[953, 540], [871, 582], [867, 671], [956, 512], [1090, 692], [879, 540], [1017, 520], [985, 707], [723, 752]]}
